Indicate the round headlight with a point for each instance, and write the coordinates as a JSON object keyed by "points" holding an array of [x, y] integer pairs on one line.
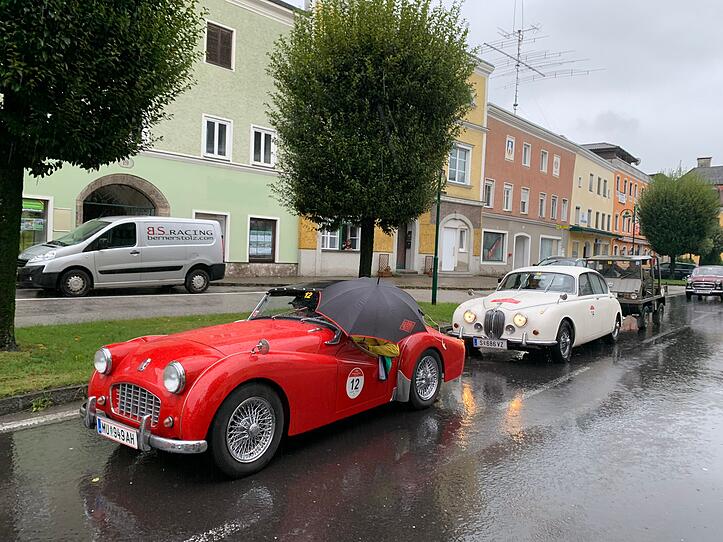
{"points": [[103, 361], [174, 377], [469, 316], [633, 296], [520, 320]]}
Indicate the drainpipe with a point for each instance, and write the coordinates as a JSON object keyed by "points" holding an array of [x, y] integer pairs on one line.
{"points": [[435, 264]]}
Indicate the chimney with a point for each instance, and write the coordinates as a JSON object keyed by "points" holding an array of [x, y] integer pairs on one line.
{"points": [[308, 4], [705, 161]]}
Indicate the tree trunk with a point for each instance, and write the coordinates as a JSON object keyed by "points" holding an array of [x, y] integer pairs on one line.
{"points": [[11, 203], [366, 249]]}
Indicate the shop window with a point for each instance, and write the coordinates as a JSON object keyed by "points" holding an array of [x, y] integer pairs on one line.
{"points": [[493, 247], [33, 223], [262, 240]]}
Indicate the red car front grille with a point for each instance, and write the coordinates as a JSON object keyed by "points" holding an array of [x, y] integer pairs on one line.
{"points": [[134, 402]]}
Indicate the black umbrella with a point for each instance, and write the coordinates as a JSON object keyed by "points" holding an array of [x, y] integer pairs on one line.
{"points": [[370, 308]]}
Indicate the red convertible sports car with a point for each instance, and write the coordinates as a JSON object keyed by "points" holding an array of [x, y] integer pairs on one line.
{"points": [[238, 388]]}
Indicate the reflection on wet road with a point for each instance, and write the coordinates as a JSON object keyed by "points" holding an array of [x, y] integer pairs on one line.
{"points": [[624, 443]]}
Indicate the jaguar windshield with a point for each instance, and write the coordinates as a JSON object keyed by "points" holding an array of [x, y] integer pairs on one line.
{"points": [[540, 281]]}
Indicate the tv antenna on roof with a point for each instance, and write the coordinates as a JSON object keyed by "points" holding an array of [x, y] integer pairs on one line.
{"points": [[511, 59]]}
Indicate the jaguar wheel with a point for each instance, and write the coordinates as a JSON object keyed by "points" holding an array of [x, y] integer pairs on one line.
{"points": [[426, 380], [562, 351], [613, 336], [246, 430]]}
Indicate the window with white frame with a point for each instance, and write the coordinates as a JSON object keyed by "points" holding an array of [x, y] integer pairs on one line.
{"points": [[617, 183], [577, 216], [597, 219], [590, 183], [489, 193], [553, 207], [510, 148], [526, 154], [608, 222], [507, 197], [555, 165], [563, 211], [599, 185], [459, 158], [549, 246], [493, 246], [575, 249], [543, 204], [605, 188], [263, 151], [589, 218], [524, 200], [217, 135], [579, 181], [543, 161], [345, 238], [617, 222], [463, 240], [330, 239]]}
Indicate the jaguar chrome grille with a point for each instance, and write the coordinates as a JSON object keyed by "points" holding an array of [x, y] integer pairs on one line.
{"points": [[494, 324], [135, 402]]}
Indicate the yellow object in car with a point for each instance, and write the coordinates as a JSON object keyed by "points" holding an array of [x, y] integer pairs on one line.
{"points": [[377, 347]]}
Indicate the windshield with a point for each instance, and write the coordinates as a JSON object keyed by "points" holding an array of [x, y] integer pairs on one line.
{"points": [[295, 305], [620, 269], [709, 270], [80, 234], [542, 281]]}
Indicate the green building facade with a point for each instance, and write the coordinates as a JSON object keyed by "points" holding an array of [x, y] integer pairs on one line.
{"points": [[214, 158]]}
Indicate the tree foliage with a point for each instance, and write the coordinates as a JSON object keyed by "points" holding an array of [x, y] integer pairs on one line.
{"points": [[368, 99], [678, 213], [80, 81]]}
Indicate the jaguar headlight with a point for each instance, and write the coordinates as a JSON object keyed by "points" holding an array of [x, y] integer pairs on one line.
{"points": [[174, 377], [519, 319], [469, 316], [103, 361]]}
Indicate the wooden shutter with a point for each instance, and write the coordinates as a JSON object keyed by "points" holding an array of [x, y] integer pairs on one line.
{"points": [[219, 46]]}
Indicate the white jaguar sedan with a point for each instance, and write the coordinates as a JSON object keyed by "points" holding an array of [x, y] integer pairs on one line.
{"points": [[551, 307]]}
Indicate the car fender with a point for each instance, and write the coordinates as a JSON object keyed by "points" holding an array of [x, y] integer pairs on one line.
{"points": [[305, 382]]}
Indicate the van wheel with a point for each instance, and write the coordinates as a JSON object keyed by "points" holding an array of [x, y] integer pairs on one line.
{"points": [[74, 283], [197, 281]]}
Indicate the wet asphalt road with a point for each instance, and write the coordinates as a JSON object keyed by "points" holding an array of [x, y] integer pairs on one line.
{"points": [[624, 443], [37, 307]]}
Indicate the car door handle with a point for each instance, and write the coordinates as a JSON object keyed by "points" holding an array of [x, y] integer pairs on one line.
{"points": [[135, 252]]}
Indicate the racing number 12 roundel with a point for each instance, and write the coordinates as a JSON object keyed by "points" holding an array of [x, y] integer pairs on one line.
{"points": [[354, 383]]}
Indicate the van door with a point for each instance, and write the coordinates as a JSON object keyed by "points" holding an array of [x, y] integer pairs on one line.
{"points": [[117, 255], [165, 251]]}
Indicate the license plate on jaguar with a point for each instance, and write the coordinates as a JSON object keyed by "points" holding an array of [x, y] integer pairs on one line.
{"points": [[495, 344], [117, 432]]}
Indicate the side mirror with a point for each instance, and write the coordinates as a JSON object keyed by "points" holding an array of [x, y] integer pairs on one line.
{"points": [[470, 292], [563, 297], [102, 243], [262, 347], [499, 279]]}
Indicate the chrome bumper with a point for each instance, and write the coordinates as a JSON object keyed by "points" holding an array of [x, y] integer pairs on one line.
{"points": [[146, 439], [521, 341]]}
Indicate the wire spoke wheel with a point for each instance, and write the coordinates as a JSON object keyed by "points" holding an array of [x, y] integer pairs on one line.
{"points": [[250, 429], [427, 378]]}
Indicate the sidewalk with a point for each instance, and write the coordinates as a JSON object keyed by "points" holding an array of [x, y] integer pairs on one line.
{"points": [[424, 282]]}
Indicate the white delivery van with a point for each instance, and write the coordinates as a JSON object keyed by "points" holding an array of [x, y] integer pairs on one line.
{"points": [[127, 251]]}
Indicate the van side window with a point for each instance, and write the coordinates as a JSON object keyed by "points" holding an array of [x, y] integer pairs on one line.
{"points": [[585, 286], [123, 235]]}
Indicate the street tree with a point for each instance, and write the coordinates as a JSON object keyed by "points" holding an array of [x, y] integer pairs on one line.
{"points": [[678, 214], [713, 248], [81, 82], [369, 97]]}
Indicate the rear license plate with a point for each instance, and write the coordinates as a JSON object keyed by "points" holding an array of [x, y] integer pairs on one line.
{"points": [[117, 432], [490, 343]]}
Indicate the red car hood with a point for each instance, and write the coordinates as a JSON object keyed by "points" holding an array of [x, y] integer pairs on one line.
{"points": [[706, 278]]}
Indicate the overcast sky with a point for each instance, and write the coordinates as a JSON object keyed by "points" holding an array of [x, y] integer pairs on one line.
{"points": [[660, 94]]}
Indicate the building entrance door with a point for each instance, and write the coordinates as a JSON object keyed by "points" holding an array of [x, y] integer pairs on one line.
{"points": [[522, 252], [449, 249]]}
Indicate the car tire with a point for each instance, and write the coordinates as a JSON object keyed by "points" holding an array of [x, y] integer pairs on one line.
{"points": [[426, 380], [237, 421], [75, 283], [197, 281], [688, 297], [562, 351], [643, 318], [658, 315], [700, 298], [612, 337]]}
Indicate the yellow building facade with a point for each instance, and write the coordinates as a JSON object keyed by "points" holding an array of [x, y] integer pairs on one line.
{"points": [[591, 209]]}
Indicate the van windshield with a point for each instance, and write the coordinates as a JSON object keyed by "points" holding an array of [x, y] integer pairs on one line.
{"points": [[79, 234]]}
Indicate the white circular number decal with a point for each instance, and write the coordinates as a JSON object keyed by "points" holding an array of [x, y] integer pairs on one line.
{"points": [[354, 383]]}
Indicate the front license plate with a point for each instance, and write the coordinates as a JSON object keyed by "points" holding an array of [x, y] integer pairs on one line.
{"points": [[117, 432], [702, 291], [490, 343]]}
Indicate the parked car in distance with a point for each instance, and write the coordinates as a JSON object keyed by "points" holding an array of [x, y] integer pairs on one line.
{"points": [[127, 251], [635, 280], [562, 260], [682, 270], [553, 308], [706, 280], [237, 388]]}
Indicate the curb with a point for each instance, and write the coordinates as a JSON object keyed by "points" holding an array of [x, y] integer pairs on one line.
{"points": [[402, 286], [20, 403]]}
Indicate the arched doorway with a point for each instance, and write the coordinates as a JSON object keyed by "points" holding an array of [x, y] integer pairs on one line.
{"points": [[521, 251], [455, 243], [120, 195]]}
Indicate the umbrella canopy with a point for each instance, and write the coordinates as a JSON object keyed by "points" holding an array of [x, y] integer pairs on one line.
{"points": [[370, 308]]}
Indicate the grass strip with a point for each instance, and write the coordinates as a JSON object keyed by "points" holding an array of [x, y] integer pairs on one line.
{"points": [[62, 355]]}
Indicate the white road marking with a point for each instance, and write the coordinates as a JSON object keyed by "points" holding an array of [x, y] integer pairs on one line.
{"points": [[665, 334], [39, 420], [544, 387], [146, 296]]}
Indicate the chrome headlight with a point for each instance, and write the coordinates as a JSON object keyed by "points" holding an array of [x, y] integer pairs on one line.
{"points": [[103, 361], [633, 296], [174, 377], [519, 319], [43, 257], [469, 316]]}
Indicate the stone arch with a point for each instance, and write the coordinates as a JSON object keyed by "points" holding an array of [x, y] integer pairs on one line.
{"points": [[163, 207]]}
